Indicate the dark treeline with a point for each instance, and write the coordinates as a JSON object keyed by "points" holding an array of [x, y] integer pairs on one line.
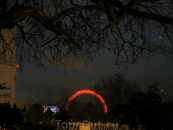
{"points": [[146, 109], [10, 117], [126, 103]]}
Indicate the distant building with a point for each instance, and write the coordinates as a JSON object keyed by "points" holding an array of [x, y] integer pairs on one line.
{"points": [[52, 107], [8, 65]]}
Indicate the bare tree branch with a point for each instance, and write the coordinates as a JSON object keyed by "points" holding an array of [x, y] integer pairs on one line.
{"points": [[50, 30]]}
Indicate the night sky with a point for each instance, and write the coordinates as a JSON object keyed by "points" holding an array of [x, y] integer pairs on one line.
{"points": [[39, 83]]}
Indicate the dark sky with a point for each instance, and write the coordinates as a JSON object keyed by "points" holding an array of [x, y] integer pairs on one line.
{"points": [[40, 83]]}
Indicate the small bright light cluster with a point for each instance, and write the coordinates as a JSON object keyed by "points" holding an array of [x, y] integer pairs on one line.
{"points": [[52, 108], [86, 92]]}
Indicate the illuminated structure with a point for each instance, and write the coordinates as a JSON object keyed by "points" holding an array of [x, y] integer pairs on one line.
{"points": [[53, 108], [86, 92], [8, 65]]}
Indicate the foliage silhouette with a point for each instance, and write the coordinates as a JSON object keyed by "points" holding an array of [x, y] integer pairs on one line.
{"points": [[11, 117], [145, 109]]}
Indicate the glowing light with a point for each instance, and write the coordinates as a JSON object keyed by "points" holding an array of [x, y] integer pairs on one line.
{"points": [[52, 108], [86, 92], [160, 37], [17, 65]]}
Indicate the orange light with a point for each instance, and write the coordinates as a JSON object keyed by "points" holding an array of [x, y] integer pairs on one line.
{"points": [[86, 92]]}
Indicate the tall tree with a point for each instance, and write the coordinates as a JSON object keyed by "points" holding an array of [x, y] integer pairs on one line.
{"points": [[146, 109], [115, 90], [59, 31]]}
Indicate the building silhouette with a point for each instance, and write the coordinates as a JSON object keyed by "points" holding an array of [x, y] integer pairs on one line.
{"points": [[8, 65]]}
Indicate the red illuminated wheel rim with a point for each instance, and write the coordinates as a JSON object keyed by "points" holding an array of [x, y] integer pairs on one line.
{"points": [[86, 92]]}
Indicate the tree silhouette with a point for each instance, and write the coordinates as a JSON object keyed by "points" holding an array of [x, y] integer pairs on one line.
{"points": [[11, 117], [146, 109], [59, 31], [115, 89]]}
